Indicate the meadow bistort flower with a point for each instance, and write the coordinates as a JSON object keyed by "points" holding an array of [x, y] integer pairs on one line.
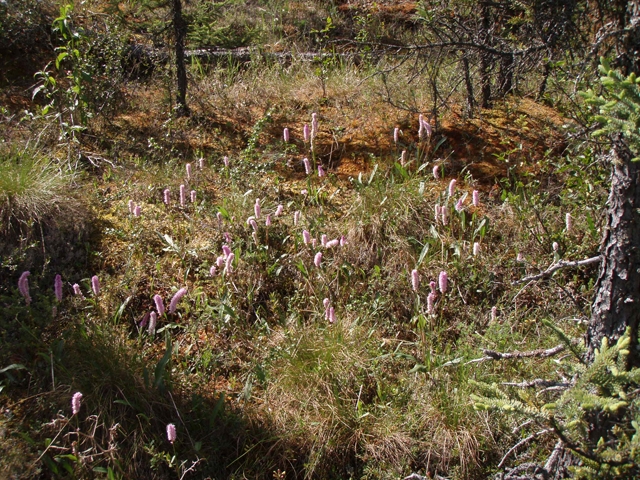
{"points": [[323, 240], [321, 172], [76, 400], [279, 210], [436, 172], [188, 166], [137, 211], [171, 433], [475, 198], [183, 198], [76, 289], [296, 217], [256, 208], [494, 313], [57, 287], [157, 299], [317, 260], [226, 250], [396, 135], [173, 305], [332, 315], [201, 163], [167, 195], [225, 160], [307, 165], [95, 285], [213, 270], [228, 265], [306, 237], [267, 220], [23, 286], [131, 206], [193, 196], [568, 222], [332, 243], [305, 133], [476, 249], [415, 280], [452, 187], [443, 281], [153, 318], [285, 135], [459, 207], [430, 301]]}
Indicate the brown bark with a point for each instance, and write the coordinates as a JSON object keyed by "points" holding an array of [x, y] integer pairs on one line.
{"points": [[617, 300], [486, 59], [180, 31]]}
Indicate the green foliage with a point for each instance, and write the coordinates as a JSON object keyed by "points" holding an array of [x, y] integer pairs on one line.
{"points": [[618, 107], [605, 390]]}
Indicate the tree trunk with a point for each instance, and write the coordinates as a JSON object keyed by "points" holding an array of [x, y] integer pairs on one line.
{"points": [[617, 300], [180, 30], [485, 57], [469, 85]]}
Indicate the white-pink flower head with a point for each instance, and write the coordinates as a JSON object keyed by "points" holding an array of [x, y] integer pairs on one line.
{"points": [[267, 220], [285, 135], [343, 241], [183, 200], [167, 195], [436, 172], [171, 433], [475, 198], [176, 299], [76, 400], [201, 163], [226, 250], [188, 166], [296, 217], [430, 300], [442, 281], [396, 135], [568, 222], [415, 280], [332, 243], [279, 210], [305, 133], [132, 205], [76, 290], [452, 187], [253, 224], [476, 249], [213, 270], [57, 287], [193, 196], [23, 286], [228, 266], [307, 165], [321, 172], [153, 319], [221, 260], [306, 237], [137, 211], [403, 157], [494, 313], [95, 285], [225, 159], [257, 209], [332, 315], [323, 240], [459, 204], [317, 260]]}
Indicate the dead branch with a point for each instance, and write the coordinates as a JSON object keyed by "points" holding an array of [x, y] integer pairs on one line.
{"points": [[521, 443], [538, 382], [557, 266], [493, 355]]}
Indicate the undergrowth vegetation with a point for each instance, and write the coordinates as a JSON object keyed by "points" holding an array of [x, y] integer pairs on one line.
{"points": [[222, 299]]}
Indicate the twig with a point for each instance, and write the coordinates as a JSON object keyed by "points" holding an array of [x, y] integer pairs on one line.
{"points": [[492, 355], [521, 443], [558, 266], [538, 382]]}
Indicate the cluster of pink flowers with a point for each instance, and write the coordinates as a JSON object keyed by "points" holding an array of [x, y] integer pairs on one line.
{"points": [[424, 128], [329, 311], [76, 400], [23, 286]]}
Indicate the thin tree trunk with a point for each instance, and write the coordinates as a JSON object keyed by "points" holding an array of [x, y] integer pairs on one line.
{"points": [[485, 58], [180, 30], [506, 75], [469, 85], [617, 300]]}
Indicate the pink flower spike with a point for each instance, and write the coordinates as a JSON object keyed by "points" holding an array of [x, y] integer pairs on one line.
{"points": [[137, 211], [326, 303], [323, 240], [188, 166], [76, 400], [296, 217], [279, 210], [23, 286], [321, 172], [432, 286], [445, 215], [332, 315], [171, 433], [555, 246], [253, 224], [314, 125], [442, 281], [494, 313], [193, 196], [145, 320], [304, 192], [332, 243], [157, 299], [176, 298], [430, 300], [220, 261], [403, 157], [415, 280], [76, 290], [317, 260], [305, 133], [57, 287], [153, 318], [182, 195], [396, 135], [475, 198], [452, 187], [131, 206], [437, 212], [568, 222], [420, 127], [343, 241], [213, 270], [436, 172], [267, 220], [476, 249], [306, 237], [201, 163], [427, 127], [313, 242], [226, 250], [459, 204], [307, 165], [285, 134], [226, 161], [167, 195], [95, 285], [256, 208], [227, 237], [228, 266]]}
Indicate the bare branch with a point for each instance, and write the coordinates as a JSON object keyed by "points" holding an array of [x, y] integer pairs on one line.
{"points": [[521, 443], [557, 266], [538, 382], [493, 355]]}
